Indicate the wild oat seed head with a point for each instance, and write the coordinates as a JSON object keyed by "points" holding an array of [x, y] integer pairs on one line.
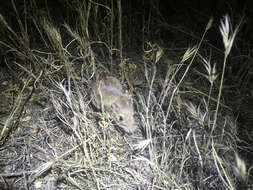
{"points": [[240, 167], [227, 35], [189, 52], [211, 71]]}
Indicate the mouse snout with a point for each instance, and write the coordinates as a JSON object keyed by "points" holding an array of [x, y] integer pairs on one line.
{"points": [[127, 123], [130, 129]]}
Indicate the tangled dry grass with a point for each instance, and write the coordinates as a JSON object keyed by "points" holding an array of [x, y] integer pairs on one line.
{"points": [[186, 136]]}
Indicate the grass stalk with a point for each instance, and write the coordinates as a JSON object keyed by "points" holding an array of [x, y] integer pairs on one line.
{"points": [[188, 67]]}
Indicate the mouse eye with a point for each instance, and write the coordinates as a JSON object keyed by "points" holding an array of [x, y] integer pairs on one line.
{"points": [[120, 118]]}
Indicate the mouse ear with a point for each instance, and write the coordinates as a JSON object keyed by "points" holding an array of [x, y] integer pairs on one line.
{"points": [[115, 107]]}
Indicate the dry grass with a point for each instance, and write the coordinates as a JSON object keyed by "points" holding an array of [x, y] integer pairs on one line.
{"points": [[186, 137]]}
